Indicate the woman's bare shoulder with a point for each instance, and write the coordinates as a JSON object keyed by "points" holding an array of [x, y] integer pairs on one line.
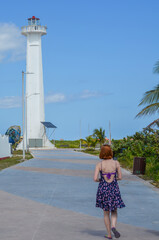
{"points": [[98, 165], [117, 163]]}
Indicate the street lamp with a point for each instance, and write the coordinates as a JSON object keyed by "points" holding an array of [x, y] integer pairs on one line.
{"points": [[109, 133], [23, 113], [80, 134]]}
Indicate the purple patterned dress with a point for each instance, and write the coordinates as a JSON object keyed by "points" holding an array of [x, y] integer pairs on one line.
{"points": [[108, 194]]}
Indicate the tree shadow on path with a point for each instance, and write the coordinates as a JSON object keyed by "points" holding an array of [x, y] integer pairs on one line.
{"points": [[98, 233], [152, 232]]}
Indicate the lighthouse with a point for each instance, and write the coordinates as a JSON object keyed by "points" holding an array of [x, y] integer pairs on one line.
{"points": [[35, 134]]}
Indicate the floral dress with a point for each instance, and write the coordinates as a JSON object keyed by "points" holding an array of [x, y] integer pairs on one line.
{"points": [[108, 194]]}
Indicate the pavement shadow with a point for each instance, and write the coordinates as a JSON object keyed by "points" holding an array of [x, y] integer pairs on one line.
{"points": [[92, 232], [152, 232]]}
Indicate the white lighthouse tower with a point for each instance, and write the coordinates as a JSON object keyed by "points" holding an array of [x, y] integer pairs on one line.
{"points": [[35, 131]]}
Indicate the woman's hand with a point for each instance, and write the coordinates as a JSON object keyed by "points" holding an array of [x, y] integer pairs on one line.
{"points": [[119, 174]]}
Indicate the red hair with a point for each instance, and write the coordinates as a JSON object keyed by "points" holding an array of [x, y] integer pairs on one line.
{"points": [[106, 152]]}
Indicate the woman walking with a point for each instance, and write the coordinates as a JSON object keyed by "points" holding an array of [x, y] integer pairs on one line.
{"points": [[108, 193]]}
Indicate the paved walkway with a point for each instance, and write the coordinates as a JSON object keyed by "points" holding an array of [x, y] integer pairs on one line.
{"points": [[53, 197]]}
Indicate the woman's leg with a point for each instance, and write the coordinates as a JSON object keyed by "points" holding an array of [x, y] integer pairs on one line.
{"points": [[114, 221], [107, 222], [114, 218]]}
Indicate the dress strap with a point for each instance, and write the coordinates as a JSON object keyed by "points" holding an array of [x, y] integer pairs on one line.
{"points": [[116, 169]]}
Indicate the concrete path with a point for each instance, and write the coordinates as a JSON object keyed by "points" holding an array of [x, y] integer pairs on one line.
{"points": [[53, 197]]}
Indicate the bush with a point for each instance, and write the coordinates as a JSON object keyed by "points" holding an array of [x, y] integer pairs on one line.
{"points": [[141, 144]]}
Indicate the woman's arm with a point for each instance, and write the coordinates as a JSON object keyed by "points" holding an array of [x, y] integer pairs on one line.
{"points": [[119, 171], [96, 172]]}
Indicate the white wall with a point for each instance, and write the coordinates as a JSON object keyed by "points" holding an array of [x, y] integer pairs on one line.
{"points": [[5, 146]]}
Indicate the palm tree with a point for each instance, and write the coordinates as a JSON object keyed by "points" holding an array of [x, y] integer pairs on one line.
{"points": [[91, 142], [99, 134], [151, 98]]}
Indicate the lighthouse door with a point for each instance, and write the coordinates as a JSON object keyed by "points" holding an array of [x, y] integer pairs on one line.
{"points": [[35, 142]]}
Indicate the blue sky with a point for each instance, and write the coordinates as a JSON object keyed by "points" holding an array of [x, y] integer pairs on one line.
{"points": [[98, 59]]}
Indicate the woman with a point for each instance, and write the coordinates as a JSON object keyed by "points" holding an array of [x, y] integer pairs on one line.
{"points": [[108, 193]]}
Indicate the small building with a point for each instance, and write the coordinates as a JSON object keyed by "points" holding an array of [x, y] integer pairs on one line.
{"points": [[5, 147]]}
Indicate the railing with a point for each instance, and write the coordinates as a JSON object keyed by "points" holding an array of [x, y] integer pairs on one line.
{"points": [[33, 28]]}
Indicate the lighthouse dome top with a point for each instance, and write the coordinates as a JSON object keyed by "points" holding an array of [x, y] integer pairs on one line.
{"points": [[33, 17], [33, 21]]}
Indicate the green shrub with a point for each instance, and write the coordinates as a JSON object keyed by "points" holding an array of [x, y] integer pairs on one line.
{"points": [[141, 144]]}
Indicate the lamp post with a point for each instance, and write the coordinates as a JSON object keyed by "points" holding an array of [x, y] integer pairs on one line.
{"points": [[23, 110], [80, 134], [109, 133]]}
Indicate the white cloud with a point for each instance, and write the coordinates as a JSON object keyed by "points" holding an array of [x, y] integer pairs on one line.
{"points": [[10, 102], [86, 94], [55, 98], [15, 102], [12, 43], [91, 94]]}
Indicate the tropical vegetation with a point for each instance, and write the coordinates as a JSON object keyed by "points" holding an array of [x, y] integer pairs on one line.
{"points": [[91, 142], [99, 134], [151, 100], [69, 143], [141, 144]]}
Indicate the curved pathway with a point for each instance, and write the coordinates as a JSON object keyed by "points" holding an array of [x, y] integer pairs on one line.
{"points": [[52, 196]]}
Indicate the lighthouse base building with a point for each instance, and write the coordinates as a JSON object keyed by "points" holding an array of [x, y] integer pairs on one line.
{"points": [[35, 125]]}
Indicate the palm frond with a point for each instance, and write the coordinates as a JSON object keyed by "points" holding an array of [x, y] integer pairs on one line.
{"points": [[151, 96], [154, 123], [149, 110], [156, 67], [99, 133]]}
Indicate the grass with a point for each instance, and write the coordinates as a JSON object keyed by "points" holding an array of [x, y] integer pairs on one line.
{"points": [[67, 143], [20, 154], [91, 151], [16, 158]]}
